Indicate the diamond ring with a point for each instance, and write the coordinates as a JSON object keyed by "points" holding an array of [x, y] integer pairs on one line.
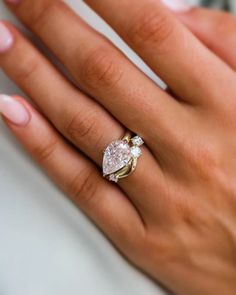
{"points": [[121, 156]]}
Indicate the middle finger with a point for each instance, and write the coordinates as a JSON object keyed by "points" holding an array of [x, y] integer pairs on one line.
{"points": [[102, 70]]}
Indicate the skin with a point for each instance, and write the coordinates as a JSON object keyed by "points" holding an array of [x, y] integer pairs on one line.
{"points": [[175, 217]]}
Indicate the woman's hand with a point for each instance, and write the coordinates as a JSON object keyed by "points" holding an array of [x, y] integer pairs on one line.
{"points": [[175, 216]]}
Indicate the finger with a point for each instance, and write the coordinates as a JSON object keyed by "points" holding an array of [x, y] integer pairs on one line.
{"points": [[76, 175], [100, 68], [80, 119], [168, 47], [74, 114], [215, 29]]}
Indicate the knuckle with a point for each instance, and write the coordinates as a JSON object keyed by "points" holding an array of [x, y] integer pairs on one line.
{"points": [[205, 161], [101, 69], [40, 13], [83, 187], [27, 69], [44, 152], [83, 127], [150, 27]]}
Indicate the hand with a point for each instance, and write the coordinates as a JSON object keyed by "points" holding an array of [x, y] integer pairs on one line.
{"points": [[175, 216]]}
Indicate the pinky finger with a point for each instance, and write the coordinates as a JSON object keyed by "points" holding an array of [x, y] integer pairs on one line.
{"points": [[215, 29], [76, 175]]}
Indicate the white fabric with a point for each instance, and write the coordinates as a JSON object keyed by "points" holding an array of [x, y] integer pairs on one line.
{"points": [[47, 246]]}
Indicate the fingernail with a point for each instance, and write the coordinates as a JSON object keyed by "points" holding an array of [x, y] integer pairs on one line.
{"points": [[177, 5], [13, 110], [6, 38]]}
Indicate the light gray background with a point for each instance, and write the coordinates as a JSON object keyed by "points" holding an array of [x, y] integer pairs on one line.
{"points": [[47, 246]]}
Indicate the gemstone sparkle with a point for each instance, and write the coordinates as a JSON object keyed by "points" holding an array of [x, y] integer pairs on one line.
{"points": [[113, 177], [136, 151], [137, 141], [116, 156]]}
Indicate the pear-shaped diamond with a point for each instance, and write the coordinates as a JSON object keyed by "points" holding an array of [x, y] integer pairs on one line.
{"points": [[116, 156]]}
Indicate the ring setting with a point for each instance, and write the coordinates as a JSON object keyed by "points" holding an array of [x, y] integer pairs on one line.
{"points": [[121, 156]]}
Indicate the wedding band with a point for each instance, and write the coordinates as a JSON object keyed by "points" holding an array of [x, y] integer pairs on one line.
{"points": [[121, 156]]}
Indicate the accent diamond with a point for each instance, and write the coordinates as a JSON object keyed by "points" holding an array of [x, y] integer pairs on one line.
{"points": [[113, 177], [136, 151], [137, 140], [116, 156]]}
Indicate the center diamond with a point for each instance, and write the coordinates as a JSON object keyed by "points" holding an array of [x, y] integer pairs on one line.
{"points": [[116, 156]]}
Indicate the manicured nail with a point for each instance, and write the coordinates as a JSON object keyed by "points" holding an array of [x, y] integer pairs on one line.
{"points": [[6, 38], [13, 110], [177, 5]]}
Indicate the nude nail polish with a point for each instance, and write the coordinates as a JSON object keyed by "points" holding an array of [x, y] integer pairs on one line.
{"points": [[177, 5], [14, 110], [6, 38]]}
